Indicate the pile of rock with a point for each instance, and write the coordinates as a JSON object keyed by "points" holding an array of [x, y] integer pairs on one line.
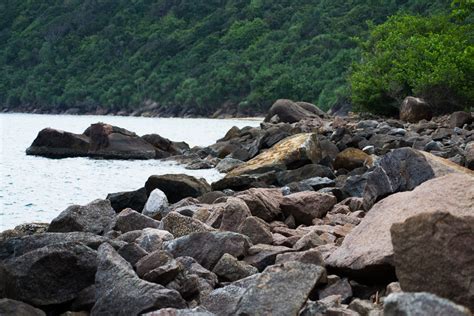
{"points": [[314, 217]]}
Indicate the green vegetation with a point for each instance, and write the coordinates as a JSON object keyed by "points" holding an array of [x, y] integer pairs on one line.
{"points": [[430, 57], [117, 54]]}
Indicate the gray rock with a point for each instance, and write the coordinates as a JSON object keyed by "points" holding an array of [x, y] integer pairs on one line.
{"points": [[305, 172], [223, 301], [177, 186], [306, 206], [53, 274], [158, 267], [227, 164], [308, 241], [152, 239], [10, 307], [311, 256], [230, 269], [180, 225], [317, 183], [421, 304], [448, 245], [130, 199], [280, 290], [288, 112], [93, 217], [458, 119], [198, 311], [261, 255], [414, 110], [234, 213], [129, 220], [156, 204], [54, 143], [132, 253], [121, 292], [340, 287], [208, 247], [257, 230], [263, 203]]}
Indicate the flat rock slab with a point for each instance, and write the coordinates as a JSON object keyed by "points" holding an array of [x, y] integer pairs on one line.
{"points": [[367, 251]]}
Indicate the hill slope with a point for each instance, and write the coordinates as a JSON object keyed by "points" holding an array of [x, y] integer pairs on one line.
{"points": [[116, 54]]}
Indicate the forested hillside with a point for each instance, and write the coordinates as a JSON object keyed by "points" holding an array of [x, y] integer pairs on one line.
{"points": [[117, 54]]}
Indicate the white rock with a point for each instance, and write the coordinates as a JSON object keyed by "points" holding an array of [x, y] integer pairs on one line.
{"points": [[157, 203]]}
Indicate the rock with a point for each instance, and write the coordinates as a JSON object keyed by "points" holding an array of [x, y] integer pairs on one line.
{"points": [[448, 245], [309, 241], [306, 206], [470, 155], [312, 108], [230, 269], [198, 311], [10, 307], [112, 142], [54, 143], [352, 158], [129, 295], [180, 225], [158, 267], [359, 256], [340, 287], [151, 239], [156, 204], [280, 290], [94, 217], [131, 199], [363, 307], [305, 172], [177, 186], [263, 203], [393, 287], [227, 164], [289, 112], [234, 213], [19, 246], [414, 110], [129, 220], [318, 183], [261, 255], [459, 118], [223, 301], [24, 230], [311, 256], [442, 167], [291, 152], [50, 275], [421, 304], [208, 247], [164, 147], [132, 253], [257, 230]]}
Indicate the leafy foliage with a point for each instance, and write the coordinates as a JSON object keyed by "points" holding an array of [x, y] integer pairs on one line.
{"points": [[117, 54], [430, 57]]}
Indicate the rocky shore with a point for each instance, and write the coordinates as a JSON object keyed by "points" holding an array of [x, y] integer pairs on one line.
{"points": [[316, 215]]}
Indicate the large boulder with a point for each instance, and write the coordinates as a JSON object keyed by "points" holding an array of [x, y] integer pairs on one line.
{"points": [[263, 203], [156, 205], [459, 118], [119, 290], [177, 186], [10, 307], [130, 199], [54, 143], [53, 274], [93, 217], [414, 110], [112, 142], [312, 108], [281, 289], [367, 251], [414, 304], [208, 247], [447, 244], [129, 220], [291, 152], [289, 112]]}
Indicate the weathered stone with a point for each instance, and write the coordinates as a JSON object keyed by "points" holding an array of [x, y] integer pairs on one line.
{"points": [[459, 118], [131, 199], [227, 164], [129, 220], [156, 205], [53, 274], [289, 112], [311, 256], [306, 206], [298, 149], [305, 172], [351, 158], [180, 225], [94, 217], [263, 203], [10, 307], [22, 230], [177, 186], [54, 143], [363, 307], [280, 290], [256, 229], [421, 304], [208, 247], [340, 287], [234, 213], [470, 155], [414, 110], [198, 311], [158, 267], [448, 245], [18, 246], [309, 241], [152, 239], [230, 269], [121, 292], [361, 257], [261, 255]]}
